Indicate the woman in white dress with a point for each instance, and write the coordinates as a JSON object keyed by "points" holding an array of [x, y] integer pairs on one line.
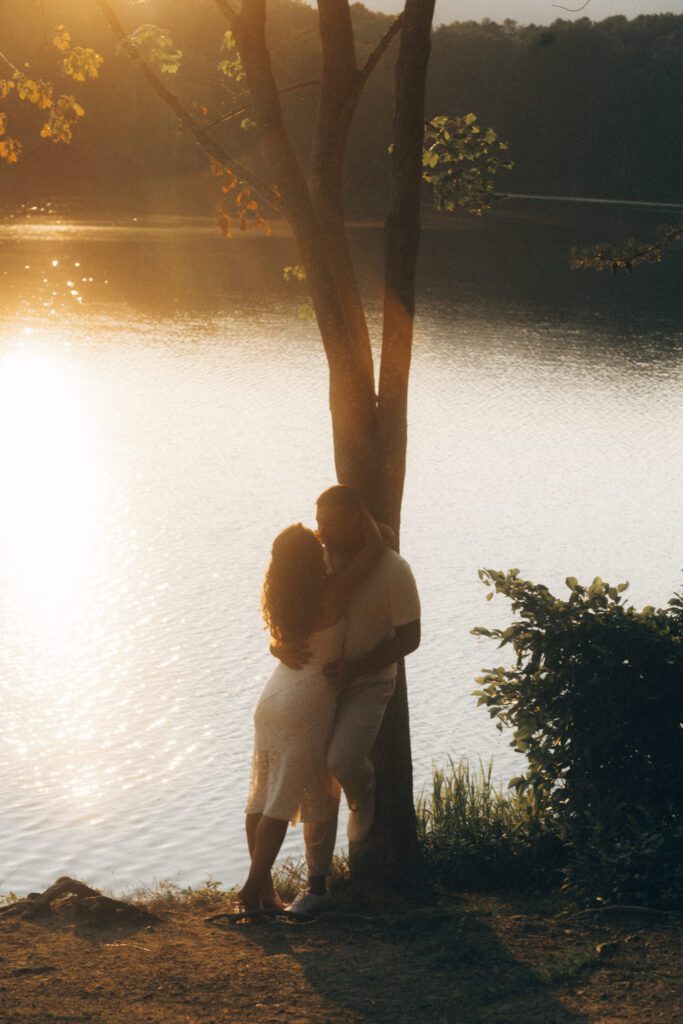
{"points": [[294, 717]]}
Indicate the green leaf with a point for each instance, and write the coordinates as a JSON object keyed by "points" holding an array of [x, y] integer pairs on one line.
{"points": [[156, 48]]}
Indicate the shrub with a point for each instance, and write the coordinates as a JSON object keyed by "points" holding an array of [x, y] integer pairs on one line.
{"points": [[629, 855], [595, 699]]}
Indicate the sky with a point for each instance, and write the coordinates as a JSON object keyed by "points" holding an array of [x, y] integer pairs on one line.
{"points": [[540, 12]]}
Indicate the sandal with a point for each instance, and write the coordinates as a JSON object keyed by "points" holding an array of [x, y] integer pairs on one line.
{"points": [[254, 917]]}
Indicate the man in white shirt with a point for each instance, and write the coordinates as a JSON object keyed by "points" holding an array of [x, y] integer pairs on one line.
{"points": [[383, 625]]}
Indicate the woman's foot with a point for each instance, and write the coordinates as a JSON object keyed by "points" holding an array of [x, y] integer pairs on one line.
{"points": [[249, 900], [270, 899]]}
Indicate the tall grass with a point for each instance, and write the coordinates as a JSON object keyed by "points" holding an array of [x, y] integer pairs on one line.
{"points": [[475, 836]]}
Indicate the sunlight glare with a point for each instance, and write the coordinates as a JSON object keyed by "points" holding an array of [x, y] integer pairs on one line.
{"points": [[48, 517]]}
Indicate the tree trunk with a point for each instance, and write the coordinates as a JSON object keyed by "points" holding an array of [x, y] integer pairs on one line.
{"points": [[401, 243], [391, 850], [352, 395], [341, 86], [369, 437]]}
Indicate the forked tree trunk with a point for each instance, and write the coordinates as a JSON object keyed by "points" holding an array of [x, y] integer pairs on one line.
{"points": [[370, 434]]}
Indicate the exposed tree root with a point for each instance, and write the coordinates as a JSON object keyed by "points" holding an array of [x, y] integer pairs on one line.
{"points": [[87, 905], [617, 913]]}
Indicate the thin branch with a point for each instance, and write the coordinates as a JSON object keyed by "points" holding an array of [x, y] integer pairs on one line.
{"points": [[214, 149], [631, 253], [224, 118], [572, 10], [229, 12], [377, 54], [300, 85], [10, 64]]}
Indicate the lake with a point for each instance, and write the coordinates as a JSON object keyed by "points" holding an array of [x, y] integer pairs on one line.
{"points": [[164, 415]]}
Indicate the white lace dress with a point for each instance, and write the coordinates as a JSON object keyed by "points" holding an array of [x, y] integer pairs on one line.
{"points": [[293, 721]]}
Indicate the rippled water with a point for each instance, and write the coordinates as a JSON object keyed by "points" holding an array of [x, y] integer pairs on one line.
{"points": [[162, 420]]}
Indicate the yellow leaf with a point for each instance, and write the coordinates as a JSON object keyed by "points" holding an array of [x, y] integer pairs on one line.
{"points": [[10, 150], [3, 123], [61, 38]]}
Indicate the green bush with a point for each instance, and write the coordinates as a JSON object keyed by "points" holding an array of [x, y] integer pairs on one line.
{"points": [[629, 855], [595, 701], [474, 836]]}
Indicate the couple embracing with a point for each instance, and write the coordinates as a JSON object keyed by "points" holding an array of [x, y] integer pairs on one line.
{"points": [[342, 607]]}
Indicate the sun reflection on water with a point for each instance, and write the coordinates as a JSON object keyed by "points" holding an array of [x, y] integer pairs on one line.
{"points": [[49, 555], [50, 482]]}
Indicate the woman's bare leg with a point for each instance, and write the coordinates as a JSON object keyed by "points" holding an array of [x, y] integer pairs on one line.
{"points": [[264, 838], [269, 897]]}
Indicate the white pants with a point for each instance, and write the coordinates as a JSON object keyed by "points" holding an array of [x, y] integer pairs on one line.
{"points": [[359, 715]]}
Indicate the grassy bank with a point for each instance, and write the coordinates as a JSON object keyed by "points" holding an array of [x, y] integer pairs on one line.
{"points": [[477, 836]]}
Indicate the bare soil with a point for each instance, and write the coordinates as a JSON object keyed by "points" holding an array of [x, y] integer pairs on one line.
{"points": [[460, 960]]}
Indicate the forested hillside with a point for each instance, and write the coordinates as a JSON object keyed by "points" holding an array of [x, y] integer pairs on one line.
{"points": [[589, 109]]}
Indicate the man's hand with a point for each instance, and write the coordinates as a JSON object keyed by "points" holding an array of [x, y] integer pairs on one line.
{"points": [[292, 655], [388, 536], [340, 673]]}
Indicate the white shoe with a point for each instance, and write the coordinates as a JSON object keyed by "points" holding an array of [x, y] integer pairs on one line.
{"points": [[362, 818], [309, 904]]}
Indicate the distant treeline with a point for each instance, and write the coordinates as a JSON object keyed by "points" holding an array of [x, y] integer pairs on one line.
{"points": [[589, 109]]}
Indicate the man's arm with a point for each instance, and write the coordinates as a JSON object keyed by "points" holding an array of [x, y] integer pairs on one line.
{"points": [[406, 640]]}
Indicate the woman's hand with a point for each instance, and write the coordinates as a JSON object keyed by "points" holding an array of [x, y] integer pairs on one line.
{"points": [[292, 655], [340, 673]]}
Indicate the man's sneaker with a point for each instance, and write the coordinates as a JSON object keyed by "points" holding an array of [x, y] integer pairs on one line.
{"points": [[361, 818], [309, 904]]}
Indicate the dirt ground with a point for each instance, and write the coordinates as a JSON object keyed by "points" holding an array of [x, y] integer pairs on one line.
{"points": [[462, 960]]}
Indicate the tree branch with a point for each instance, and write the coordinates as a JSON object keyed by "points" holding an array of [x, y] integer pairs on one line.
{"points": [[572, 10], [229, 12], [210, 146], [224, 118], [629, 254], [379, 51], [299, 85], [10, 64]]}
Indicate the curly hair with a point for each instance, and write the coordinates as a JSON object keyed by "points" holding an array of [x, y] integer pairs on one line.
{"points": [[294, 582]]}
